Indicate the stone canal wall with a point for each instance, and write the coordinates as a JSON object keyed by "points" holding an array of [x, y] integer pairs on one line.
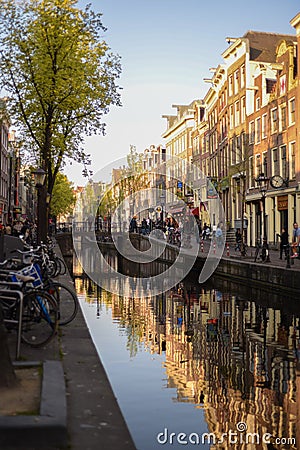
{"points": [[260, 274], [232, 268]]}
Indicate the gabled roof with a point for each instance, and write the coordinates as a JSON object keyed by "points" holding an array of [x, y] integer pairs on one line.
{"points": [[262, 45]]}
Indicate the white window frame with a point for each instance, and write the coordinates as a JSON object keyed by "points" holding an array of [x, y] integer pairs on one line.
{"points": [[242, 75], [257, 104], [264, 126], [292, 111], [230, 85], [292, 160], [257, 130], [251, 132], [243, 109], [237, 113], [281, 108], [236, 81], [274, 120]]}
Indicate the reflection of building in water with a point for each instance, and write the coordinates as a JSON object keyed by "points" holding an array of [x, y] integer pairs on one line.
{"points": [[241, 356]]}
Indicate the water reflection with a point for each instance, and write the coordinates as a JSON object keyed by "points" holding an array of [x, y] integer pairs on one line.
{"points": [[229, 358]]}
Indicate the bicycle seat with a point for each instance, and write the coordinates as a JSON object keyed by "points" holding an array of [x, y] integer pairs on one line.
{"points": [[24, 278]]}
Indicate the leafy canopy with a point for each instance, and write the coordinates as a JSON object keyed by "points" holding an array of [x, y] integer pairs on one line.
{"points": [[63, 198], [59, 76]]}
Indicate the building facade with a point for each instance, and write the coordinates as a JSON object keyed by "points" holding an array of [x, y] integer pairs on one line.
{"points": [[244, 134]]}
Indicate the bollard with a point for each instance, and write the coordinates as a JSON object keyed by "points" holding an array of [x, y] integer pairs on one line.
{"points": [[202, 247], [288, 257], [214, 248], [227, 249]]}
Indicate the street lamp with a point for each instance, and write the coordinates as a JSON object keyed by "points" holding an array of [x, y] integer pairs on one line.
{"points": [[39, 178], [263, 185]]}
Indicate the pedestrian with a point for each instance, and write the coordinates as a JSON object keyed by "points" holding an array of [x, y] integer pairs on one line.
{"points": [[144, 227], [219, 235], [284, 241], [296, 240], [238, 239], [8, 229], [133, 225]]}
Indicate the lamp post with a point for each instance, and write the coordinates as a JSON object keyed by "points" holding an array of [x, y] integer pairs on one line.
{"points": [[263, 184], [39, 178]]}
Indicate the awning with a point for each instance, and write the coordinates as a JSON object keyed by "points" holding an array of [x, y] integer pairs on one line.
{"points": [[176, 210], [195, 211]]}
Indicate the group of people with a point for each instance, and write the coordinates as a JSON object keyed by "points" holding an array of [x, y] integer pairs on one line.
{"points": [[173, 230], [284, 241], [23, 228]]}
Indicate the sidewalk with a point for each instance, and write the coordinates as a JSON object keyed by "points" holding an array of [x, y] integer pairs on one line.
{"points": [[94, 419], [275, 261]]}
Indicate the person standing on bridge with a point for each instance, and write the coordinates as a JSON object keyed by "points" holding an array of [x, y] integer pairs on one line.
{"points": [[296, 241], [284, 241]]}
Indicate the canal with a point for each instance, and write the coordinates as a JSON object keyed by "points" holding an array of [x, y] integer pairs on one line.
{"points": [[215, 366]]}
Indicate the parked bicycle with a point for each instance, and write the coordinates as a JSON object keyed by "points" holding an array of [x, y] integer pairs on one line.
{"points": [[40, 310], [262, 251], [64, 295], [46, 303]]}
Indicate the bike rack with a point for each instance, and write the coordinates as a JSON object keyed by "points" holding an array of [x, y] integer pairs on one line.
{"points": [[7, 294]]}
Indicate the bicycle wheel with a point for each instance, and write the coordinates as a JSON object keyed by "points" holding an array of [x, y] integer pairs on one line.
{"points": [[62, 268], [52, 268], [40, 318], [67, 302]]}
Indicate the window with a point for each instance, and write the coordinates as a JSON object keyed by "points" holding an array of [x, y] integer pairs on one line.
{"points": [[232, 152], [242, 76], [283, 162], [251, 172], [243, 145], [231, 117], [230, 85], [292, 166], [265, 163], [257, 166], [270, 86], [237, 113], [291, 111], [238, 149], [274, 120], [264, 126], [236, 81], [282, 117], [251, 132], [257, 130], [275, 162], [243, 109], [257, 104]]}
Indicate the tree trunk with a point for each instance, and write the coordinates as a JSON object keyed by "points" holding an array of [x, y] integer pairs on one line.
{"points": [[42, 215], [7, 374]]}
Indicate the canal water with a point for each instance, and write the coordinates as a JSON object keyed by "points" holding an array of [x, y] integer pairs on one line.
{"points": [[213, 367]]}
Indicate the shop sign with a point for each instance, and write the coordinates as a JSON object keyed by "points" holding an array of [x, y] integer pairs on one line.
{"points": [[282, 203]]}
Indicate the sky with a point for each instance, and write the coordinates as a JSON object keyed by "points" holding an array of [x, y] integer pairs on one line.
{"points": [[166, 49]]}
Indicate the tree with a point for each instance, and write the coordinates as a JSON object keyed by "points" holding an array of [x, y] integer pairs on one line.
{"points": [[59, 76], [63, 198], [241, 152]]}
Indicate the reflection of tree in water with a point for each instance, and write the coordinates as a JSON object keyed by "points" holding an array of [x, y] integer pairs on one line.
{"points": [[243, 371]]}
